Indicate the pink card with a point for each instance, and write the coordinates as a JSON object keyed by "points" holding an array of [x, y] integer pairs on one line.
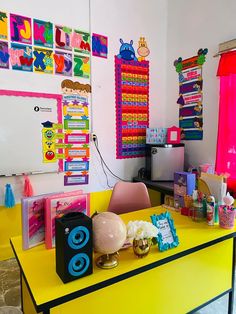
{"points": [[59, 205]]}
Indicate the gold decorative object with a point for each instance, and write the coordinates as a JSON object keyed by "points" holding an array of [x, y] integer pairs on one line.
{"points": [[142, 247], [107, 261]]}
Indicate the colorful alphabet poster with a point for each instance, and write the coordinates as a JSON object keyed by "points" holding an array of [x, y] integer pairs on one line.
{"points": [[46, 47], [43, 60], [43, 34], [190, 98], [20, 27], [81, 42], [63, 36], [76, 128], [3, 26], [132, 107], [82, 66], [99, 45], [63, 63], [4, 55], [21, 57]]}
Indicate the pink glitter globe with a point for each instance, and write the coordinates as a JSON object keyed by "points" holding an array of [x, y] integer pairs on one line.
{"points": [[109, 233]]}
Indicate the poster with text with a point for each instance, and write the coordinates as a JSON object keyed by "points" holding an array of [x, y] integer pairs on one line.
{"points": [[81, 42], [190, 98], [63, 36]]}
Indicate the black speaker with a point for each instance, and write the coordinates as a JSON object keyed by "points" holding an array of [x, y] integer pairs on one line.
{"points": [[74, 249]]}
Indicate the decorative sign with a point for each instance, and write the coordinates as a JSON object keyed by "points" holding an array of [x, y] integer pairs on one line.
{"points": [[76, 126], [166, 237], [190, 95], [99, 45], [4, 55], [132, 107], [3, 25], [43, 33], [66, 53], [20, 27]]}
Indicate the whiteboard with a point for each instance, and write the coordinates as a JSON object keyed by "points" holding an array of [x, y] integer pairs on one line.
{"points": [[21, 118]]}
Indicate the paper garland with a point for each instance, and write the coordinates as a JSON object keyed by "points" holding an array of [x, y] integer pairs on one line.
{"points": [[31, 47], [132, 106], [190, 95]]}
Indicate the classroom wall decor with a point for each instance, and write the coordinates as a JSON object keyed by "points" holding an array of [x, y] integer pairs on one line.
{"points": [[32, 45], [190, 98], [76, 128], [132, 99], [99, 45]]}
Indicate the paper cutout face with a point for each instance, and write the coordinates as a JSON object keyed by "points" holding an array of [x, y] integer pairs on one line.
{"points": [[127, 51], [143, 50]]}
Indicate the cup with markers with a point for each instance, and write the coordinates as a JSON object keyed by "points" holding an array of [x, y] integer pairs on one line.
{"points": [[227, 213]]}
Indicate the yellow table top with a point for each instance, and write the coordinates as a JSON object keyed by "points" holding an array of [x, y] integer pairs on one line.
{"points": [[38, 264]]}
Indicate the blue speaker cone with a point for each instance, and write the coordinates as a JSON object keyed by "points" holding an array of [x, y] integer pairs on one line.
{"points": [[78, 237], [78, 265]]}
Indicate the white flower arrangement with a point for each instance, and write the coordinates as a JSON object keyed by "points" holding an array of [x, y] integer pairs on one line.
{"points": [[140, 229]]}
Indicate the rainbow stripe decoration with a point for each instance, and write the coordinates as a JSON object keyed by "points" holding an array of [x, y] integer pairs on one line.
{"points": [[132, 107]]}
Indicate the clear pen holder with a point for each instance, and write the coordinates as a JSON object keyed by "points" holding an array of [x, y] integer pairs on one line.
{"points": [[196, 212]]}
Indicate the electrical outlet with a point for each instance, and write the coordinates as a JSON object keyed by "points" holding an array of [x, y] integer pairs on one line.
{"points": [[93, 137]]}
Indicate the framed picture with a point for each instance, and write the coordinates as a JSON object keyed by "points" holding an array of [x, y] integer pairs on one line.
{"points": [[166, 237], [173, 135]]}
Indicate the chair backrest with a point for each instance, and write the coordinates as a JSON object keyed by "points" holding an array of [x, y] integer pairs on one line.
{"points": [[129, 196]]}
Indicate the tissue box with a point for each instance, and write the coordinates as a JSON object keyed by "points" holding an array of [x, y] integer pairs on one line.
{"points": [[156, 135]]}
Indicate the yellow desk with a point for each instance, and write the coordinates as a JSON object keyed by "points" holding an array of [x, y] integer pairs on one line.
{"points": [[179, 280]]}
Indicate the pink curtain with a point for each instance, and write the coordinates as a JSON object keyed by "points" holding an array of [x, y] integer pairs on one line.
{"points": [[226, 142]]}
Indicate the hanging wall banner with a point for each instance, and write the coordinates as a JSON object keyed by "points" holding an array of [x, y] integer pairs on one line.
{"points": [[190, 98], [76, 126], [3, 25], [132, 101]]}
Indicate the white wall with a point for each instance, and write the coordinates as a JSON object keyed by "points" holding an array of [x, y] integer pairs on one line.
{"points": [[193, 25], [126, 19]]}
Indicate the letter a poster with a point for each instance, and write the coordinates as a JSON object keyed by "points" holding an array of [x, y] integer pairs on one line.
{"points": [[190, 98]]}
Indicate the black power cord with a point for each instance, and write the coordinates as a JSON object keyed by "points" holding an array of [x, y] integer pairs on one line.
{"points": [[103, 163]]}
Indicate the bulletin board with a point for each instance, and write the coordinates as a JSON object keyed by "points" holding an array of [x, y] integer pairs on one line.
{"points": [[22, 115]]}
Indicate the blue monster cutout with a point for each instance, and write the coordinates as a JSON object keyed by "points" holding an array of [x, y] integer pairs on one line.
{"points": [[127, 51]]}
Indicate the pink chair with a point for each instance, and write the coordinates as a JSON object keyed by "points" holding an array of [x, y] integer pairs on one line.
{"points": [[127, 197]]}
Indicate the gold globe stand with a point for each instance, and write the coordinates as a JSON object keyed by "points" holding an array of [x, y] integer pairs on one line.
{"points": [[107, 261]]}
